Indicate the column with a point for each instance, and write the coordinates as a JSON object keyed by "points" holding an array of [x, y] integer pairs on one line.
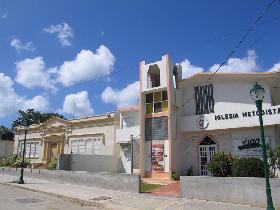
{"points": [[62, 146], [58, 148], [46, 149]]}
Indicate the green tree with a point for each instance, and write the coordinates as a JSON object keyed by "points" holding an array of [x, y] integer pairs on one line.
{"points": [[6, 133], [30, 116]]}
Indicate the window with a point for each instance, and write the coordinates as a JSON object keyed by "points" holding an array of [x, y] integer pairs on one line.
{"points": [[157, 96], [164, 95], [165, 106], [96, 145], [74, 147], [86, 146], [149, 98], [156, 102], [128, 121], [149, 108], [31, 149], [157, 107]]}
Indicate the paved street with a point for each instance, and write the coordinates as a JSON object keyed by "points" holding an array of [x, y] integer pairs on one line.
{"points": [[72, 196], [13, 198]]}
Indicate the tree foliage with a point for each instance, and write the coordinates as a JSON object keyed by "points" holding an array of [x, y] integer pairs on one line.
{"points": [[274, 160], [31, 116], [6, 133]]}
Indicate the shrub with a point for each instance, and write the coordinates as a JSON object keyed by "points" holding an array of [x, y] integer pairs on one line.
{"points": [[18, 162], [53, 164], [174, 176], [15, 161], [274, 160], [248, 167], [221, 164]]}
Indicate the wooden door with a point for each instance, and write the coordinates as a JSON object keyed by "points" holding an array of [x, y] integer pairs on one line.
{"points": [[54, 152]]}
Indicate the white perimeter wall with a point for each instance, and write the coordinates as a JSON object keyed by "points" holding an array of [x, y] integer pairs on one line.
{"points": [[6, 148]]}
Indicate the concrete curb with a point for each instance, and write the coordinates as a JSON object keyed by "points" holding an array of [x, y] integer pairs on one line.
{"points": [[63, 197]]}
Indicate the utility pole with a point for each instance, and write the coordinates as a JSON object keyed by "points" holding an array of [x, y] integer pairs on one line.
{"points": [[131, 138]]}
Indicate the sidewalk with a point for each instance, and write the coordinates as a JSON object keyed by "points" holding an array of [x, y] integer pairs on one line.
{"points": [[107, 199]]}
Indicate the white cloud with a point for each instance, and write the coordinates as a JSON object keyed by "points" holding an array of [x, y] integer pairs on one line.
{"points": [[77, 104], [246, 64], [64, 33], [11, 102], [38, 102], [128, 96], [19, 46], [188, 69], [275, 67], [33, 73], [87, 66], [9, 99]]}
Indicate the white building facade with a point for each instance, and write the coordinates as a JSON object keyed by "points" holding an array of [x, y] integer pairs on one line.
{"points": [[184, 122], [85, 136], [177, 127]]}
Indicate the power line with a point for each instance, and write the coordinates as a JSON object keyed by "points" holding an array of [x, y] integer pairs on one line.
{"points": [[243, 38], [225, 35], [263, 35]]}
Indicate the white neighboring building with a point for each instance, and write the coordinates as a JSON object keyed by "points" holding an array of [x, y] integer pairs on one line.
{"points": [[129, 128], [85, 136]]}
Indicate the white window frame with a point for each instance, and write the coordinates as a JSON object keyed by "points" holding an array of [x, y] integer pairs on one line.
{"points": [[209, 155], [87, 145], [36, 149]]}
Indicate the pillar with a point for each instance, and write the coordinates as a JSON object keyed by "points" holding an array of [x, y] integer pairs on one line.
{"points": [[46, 151]]}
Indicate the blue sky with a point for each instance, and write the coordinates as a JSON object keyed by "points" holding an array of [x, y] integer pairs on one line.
{"points": [[83, 56]]}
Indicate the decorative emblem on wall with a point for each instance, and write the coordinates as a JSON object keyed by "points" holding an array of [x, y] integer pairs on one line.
{"points": [[249, 146], [202, 122], [204, 100]]}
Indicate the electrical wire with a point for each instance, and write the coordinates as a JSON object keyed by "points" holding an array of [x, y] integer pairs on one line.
{"points": [[243, 38], [222, 36]]}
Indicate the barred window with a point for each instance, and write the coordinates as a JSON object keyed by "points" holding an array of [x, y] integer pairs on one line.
{"points": [[86, 146], [31, 149]]}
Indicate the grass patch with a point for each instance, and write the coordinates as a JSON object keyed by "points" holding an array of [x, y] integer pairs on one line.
{"points": [[145, 187]]}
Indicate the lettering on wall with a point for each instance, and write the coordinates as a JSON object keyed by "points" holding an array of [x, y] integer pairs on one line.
{"points": [[248, 146], [230, 116], [204, 99]]}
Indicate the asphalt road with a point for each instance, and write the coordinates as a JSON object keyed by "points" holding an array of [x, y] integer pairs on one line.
{"points": [[13, 198]]}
